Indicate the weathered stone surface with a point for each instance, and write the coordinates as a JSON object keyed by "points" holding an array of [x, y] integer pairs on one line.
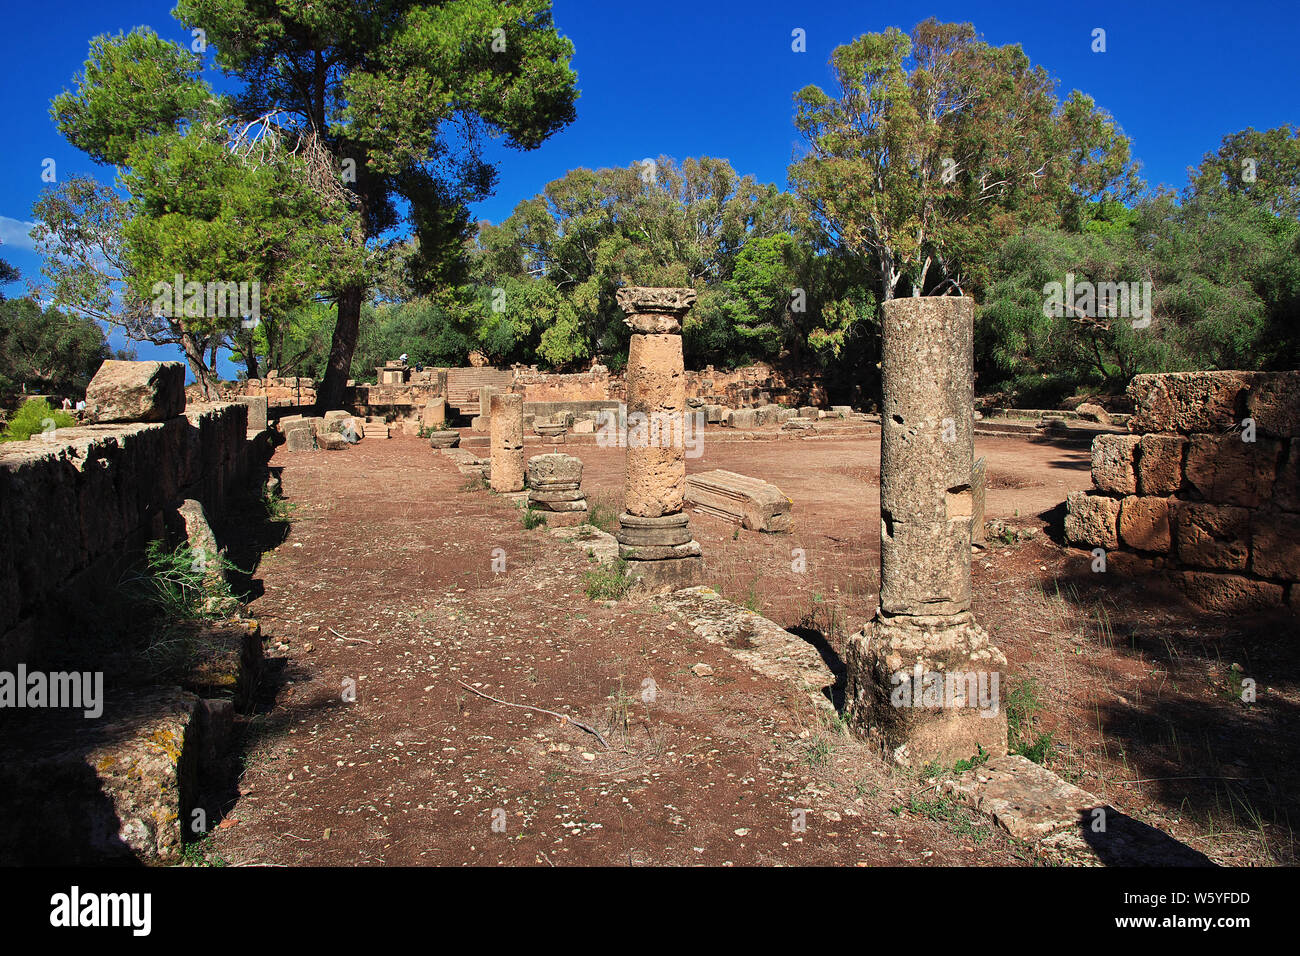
{"points": [[893, 651], [447, 438], [300, 436], [1211, 536], [257, 410], [136, 391], [1028, 801], [754, 640], [1228, 593], [671, 575], [1274, 404], [1286, 489], [507, 442], [1275, 546], [554, 468], [549, 494], [1160, 464], [1144, 524], [563, 506], [926, 454], [1113, 463], [651, 552], [1094, 412], [1092, 521], [742, 418], [713, 414], [656, 472], [434, 414], [1189, 402], [507, 420], [979, 494], [332, 441], [655, 310], [1226, 470], [110, 790], [755, 504]]}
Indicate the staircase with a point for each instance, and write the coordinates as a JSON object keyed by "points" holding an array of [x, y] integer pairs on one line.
{"points": [[463, 385]]}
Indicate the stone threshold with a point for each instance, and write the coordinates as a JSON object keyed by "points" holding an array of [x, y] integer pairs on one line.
{"points": [[1066, 825]]}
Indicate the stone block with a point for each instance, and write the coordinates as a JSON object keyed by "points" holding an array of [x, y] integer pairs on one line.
{"points": [[257, 409], [1228, 593], [1144, 524], [1188, 402], [553, 469], [136, 391], [755, 504], [1160, 464], [1274, 404], [1275, 546], [1092, 521], [1114, 463], [1226, 470], [743, 418], [1211, 536], [1286, 489]]}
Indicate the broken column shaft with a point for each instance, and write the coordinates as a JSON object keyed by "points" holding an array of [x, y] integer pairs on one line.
{"points": [[654, 535], [506, 437], [923, 679]]}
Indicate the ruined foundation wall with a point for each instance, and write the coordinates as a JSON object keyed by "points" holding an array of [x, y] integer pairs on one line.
{"points": [[72, 509], [1205, 489]]}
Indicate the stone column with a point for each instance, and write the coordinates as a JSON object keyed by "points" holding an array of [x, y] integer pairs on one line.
{"points": [[923, 679], [507, 442], [654, 535]]}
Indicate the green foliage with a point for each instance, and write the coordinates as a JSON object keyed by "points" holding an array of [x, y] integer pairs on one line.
{"points": [[939, 145], [47, 350], [1260, 167], [608, 582], [34, 417], [532, 518], [179, 586]]}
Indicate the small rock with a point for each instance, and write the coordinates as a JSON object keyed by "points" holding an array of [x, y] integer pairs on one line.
{"points": [[702, 670]]}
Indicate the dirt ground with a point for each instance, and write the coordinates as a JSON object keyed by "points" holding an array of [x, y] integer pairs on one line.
{"points": [[386, 579]]}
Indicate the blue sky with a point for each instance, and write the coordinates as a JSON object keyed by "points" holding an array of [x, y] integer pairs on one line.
{"points": [[717, 78]]}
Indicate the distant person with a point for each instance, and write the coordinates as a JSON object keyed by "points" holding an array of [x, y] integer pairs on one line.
{"points": [[81, 406], [67, 404], [402, 358]]}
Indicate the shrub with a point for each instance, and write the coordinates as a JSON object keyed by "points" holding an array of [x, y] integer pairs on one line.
{"points": [[33, 418]]}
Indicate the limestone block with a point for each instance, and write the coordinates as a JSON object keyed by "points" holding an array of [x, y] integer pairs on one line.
{"points": [[1113, 463], [743, 418], [1160, 464], [136, 391], [979, 495], [1092, 521], [1144, 524], [1226, 470], [1275, 546], [755, 504], [1274, 404], [1211, 536], [257, 409], [1189, 402], [1228, 593], [553, 469]]}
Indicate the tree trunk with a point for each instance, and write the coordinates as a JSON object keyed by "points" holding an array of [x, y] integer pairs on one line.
{"points": [[194, 357], [329, 392]]}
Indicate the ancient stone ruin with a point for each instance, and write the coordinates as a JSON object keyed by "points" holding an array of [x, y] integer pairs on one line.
{"points": [[654, 534], [555, 488], [507, 442], [1205, 491], [923, 678]]}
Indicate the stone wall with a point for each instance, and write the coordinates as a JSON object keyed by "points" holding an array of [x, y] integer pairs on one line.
{"points": [[72, 509], [279, 392], [1206, 488]]}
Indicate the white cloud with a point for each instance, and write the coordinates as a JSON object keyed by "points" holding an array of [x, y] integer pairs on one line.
{"points": [[13, 233]]}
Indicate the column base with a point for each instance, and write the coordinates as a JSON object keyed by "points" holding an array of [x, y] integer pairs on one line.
{"points": [[926, 689], [668, 574]]}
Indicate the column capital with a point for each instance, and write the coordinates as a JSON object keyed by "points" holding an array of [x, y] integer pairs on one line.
{"points": [[655, 310]]}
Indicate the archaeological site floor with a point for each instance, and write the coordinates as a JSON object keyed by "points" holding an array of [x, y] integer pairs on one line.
{"points": [[387, 579]]}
